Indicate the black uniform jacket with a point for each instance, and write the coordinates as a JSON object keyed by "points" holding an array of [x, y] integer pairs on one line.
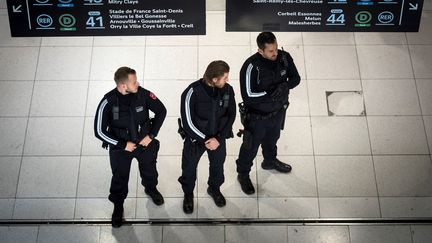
{"points": [[207, 111], [122, 118], [259, 77]]}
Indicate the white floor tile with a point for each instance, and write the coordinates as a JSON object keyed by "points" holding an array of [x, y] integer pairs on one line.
{"points": [[215, 5], [296, 138], [216, 34], [340, 136], [70, 98], [95, 177], [53, 234], [317, 93], [3, 4], [380, 38], [14, 67], [283, 39], [345, 176], [91, 145], [292, 208], [22, 234], [169, 92], [391, 97], [403, 175], [324, 234], [64, 63], [298, 99], [193, 234], [169, 63], [96, 92], [298, 55], [44, 209], [406, 207], [424, 35], [9, 170], [328, 38], [235, 208], [106, 60], [350, 207], [6, 208], [421, 233], [384, 61], [132, 234], [177, 40], [233, 55], [120, 41], [397, 135], [424, 87], [255, 234], [12, 132], [171, 209], [331, 62], [67, 41], [300, 182], [428, 126], [233, 144], [427, 6], [369, 234], [102, 208], [421, 61], [63, 137], [38, 174], [169, 169], [15, 98], [170, 141]]}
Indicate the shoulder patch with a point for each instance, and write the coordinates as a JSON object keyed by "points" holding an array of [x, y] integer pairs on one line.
{"points": [[152, 95]]}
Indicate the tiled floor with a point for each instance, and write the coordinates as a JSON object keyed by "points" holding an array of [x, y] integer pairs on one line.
{"points": [[219, 233], [373, 166]]}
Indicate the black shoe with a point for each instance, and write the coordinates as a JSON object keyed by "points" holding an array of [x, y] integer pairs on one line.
{"points": [[155, 196], [188, 203], [246, 184], [117, 216], [277, 165], [217, 196]]}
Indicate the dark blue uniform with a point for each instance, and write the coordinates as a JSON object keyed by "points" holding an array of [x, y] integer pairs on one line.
{"points": [[206, 112], [260, 80], [122, 118]]}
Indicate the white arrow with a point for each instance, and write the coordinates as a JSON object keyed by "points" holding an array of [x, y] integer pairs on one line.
{"points": [[413, 6], [17, 9]]}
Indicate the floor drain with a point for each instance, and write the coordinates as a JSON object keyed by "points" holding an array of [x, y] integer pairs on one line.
{"points": [[345, 103]]}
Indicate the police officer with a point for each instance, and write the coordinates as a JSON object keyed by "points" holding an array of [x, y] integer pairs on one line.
{"points": [[207, 112], [123, 123], [265, 80]]}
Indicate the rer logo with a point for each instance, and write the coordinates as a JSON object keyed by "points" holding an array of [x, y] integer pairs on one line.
{"points": [[363, 19], [386, 17], [67, 21], [44, 21]]}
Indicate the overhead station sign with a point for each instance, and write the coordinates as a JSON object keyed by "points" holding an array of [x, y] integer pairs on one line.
{"points": [[106, 17], [324, 15]]}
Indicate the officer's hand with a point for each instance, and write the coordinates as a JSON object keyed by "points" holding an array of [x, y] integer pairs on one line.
{"points": [[130, 146], [280, 92], [146, 141], [212, 144]]}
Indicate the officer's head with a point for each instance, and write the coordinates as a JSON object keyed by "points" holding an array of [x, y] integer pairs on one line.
{"points": [[216, 74], [126, 80], [267, 45]]}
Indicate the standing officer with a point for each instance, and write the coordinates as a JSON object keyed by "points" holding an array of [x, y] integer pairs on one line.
{"points": [[265, 80], [123, 123], [207, 113]]}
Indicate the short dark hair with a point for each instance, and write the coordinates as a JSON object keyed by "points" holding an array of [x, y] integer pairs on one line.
{"points": [[122, 74], [216, 69], [265, 38]]}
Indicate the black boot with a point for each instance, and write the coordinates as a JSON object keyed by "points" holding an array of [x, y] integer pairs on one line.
{"points": [[276, 164], [155, 196], [217, 196], [246, 184], [117, 216], [188, 203]]}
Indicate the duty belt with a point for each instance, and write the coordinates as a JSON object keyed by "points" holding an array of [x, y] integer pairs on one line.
{"points": [[254, 116]]}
